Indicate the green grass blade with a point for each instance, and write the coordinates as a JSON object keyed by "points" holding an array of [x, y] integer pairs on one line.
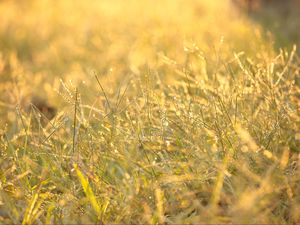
{"points": [[88, 190]]}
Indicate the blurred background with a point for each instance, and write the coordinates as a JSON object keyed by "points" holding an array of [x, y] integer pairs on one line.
{"points": [[276, 16], [44, 43]]}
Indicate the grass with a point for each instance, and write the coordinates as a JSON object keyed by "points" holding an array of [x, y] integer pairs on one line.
{"points": [[182, 113]]}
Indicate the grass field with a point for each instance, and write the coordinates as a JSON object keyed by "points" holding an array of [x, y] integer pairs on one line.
{"points": [[148, 112]]}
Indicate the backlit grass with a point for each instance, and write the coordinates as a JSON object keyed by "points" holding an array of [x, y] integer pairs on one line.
{"points": [[177, 112]]}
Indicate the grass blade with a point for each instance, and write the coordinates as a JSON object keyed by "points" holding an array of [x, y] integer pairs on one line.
{"points": [[88, 190]]}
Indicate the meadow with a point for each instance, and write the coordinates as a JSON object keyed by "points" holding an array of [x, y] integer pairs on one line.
{"points": [[149, 112]]}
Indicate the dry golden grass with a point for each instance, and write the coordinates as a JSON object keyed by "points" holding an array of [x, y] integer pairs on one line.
{"points": [[170, 112]]}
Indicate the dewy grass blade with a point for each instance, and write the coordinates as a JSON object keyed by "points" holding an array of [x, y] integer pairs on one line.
{"points": [[74, 121]]}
